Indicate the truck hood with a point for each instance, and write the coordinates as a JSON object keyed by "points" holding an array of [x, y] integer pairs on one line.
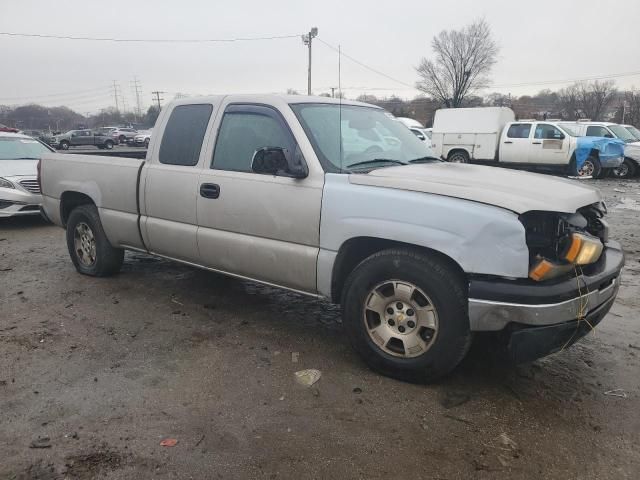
{"points": [[513, 190], [18, 168]]}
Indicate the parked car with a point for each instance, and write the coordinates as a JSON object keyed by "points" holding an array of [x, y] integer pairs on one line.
{"points": [[121, 134], [44, 137], [19, 187], [491, 135], [142, 139], [420, 253], [418, 130], [631, 163], [4, 128], [633, 131], [77, 138]]}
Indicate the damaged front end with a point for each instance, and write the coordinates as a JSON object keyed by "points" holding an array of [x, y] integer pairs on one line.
{"points": [[574, 272], [563, 243]]}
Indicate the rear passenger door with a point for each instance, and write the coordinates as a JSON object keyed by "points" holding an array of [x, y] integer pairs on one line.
{"points": [[515, 145], [170, 223], [258, 226]]}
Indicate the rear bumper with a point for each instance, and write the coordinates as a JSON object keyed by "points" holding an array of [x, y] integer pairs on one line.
{"points": [[495, 304]]}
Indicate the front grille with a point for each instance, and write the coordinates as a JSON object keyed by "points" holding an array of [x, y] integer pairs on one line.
{"points": [[30, 185]]}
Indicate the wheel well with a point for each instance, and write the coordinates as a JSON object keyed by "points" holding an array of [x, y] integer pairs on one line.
{"points": [[456, 150], [355, 250], [71, 200]]}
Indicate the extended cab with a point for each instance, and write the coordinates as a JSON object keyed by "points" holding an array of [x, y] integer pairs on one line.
{"points": [[492, 136], [300, 193]]}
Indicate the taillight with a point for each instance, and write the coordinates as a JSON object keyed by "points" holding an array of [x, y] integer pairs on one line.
{"points": [[40, 175]]}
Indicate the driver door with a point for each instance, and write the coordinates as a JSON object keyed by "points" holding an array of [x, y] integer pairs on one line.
{"points": [[263, 227]]}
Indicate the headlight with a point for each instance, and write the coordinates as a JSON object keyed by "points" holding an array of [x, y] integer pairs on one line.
{"points": [[4, 183], [583, 249]]}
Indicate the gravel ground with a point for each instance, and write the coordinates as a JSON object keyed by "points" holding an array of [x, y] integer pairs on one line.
{"points": [[95, 373]]}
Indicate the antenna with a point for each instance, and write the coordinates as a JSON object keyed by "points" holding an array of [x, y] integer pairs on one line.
{"points": [[340, 100]]}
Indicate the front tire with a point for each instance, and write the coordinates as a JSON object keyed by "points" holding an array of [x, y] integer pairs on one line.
{"points": [[626, 170], [590, 168], [89, 248], [64, 145], [405, 313], [108, 144]]}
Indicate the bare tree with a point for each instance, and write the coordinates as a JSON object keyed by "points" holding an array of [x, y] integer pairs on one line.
{"points": [[596, 97], [463, 61], [569, 102], [632, 108]]}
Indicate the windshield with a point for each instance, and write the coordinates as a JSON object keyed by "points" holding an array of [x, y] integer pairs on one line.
{"points": [[633, 131], [571, 130], [349, 137], [622, 133], [21, 149]]}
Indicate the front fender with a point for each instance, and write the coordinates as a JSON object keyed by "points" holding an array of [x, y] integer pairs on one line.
{"points": [[482, 239]]}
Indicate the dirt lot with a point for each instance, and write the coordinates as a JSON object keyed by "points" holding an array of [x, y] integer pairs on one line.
{"points": [[95, 373]]}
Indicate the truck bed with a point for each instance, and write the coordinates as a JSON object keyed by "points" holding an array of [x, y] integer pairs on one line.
{"points": [[110, 182]]}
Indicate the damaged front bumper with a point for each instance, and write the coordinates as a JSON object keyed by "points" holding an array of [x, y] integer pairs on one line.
{"points": [[543, 317]]}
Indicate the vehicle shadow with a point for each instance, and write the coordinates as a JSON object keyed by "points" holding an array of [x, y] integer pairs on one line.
{"points": [[27, 221]]}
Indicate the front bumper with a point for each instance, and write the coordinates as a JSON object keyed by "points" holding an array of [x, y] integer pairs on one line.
{"points": [[18, 201], [496, 303], [611, 162]]}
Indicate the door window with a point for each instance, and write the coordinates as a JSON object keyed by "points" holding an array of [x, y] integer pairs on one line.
{"points": [[548, 132], [519, 130], [183, 136], [243, 131], [598, 131]]}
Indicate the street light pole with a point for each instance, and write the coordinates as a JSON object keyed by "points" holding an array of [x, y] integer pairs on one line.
{"points": [[307, 39]]}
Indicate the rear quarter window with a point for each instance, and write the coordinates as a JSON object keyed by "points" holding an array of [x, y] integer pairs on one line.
{"points": [[184, 133]]}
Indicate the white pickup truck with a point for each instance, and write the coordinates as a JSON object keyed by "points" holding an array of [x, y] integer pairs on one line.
{"points": [[420, 253], [491, 135]]}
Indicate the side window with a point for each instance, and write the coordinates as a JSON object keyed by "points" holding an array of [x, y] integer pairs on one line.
{"points": [[519, 130], [183, 135], [548, 132], [597, 131], [241, 133]]}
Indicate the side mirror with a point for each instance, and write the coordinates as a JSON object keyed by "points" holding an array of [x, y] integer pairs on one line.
{"points": [[278, 161], [74, 134]]}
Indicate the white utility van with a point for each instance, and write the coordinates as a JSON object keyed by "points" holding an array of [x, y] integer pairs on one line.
{"points": [[491, 135]]}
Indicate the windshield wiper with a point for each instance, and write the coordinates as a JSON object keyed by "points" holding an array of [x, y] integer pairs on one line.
{"points": [[427, 159], [27, 158], [386, 161]]}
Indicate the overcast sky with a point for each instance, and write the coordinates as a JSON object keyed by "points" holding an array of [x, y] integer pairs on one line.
{"points": [[545, 40]]}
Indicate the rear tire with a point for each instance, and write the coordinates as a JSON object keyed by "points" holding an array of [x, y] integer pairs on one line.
{"points": [[89, 248], [627, 169], [421, 332], [459, 156], [108, 144]]}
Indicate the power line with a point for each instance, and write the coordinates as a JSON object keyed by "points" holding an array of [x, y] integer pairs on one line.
{"points": [[65, 94], [572, 80], [149, 40], [341, 52]]}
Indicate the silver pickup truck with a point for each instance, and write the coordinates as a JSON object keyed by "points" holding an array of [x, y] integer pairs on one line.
{"points": [[341, 201]]}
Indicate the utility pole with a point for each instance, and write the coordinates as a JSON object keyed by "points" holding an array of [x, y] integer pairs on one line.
{"points": [[624, 110], [115, 94], [157, 95], [333, 92], [307, 39], [136, 89]]}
